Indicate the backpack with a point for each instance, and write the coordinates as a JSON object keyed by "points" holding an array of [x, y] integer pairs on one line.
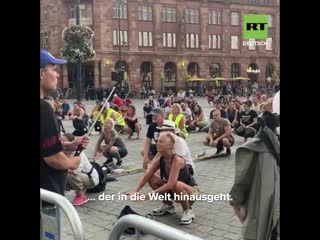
{"points": [[102, 178]]}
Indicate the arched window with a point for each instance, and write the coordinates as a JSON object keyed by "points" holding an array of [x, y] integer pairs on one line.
{"points": [[146, 75], [253, 72], [170, 76], [215, 70], [235, 70], [193, 70]]}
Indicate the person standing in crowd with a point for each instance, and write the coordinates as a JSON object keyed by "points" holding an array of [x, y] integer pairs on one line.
{"points": [[54, 164]]}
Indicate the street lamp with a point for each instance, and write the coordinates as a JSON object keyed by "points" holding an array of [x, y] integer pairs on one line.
{"points": [[78, 80], [119, 12]]}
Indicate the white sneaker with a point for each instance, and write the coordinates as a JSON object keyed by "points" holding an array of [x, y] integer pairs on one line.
{"points": [[170, 209], [192, 214], [186, 217]]}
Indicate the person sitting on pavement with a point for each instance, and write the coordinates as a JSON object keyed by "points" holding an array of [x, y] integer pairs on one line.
{"points": [[210, 98], [263, 98], [232, 115], [219, 134], [114, 148], [82, 178], [175, 178], [199, 119], [108, 112], [218, 106], [248, 122], [132, 122], [186, 112], [179, 119], [237, 104], [167, 106], [255, 104]]}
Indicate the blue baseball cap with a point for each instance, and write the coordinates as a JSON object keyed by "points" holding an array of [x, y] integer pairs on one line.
{"points": [[46, 58]]}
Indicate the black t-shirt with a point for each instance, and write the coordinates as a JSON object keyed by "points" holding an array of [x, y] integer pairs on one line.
{"points": [[153, 132], [247, 118], [50, 178]]}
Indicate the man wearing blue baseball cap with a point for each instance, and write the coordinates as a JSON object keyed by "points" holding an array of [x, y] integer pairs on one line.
{"points": [[54, 164]]}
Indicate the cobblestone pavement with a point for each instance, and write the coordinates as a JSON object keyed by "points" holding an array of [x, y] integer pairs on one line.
{"points": [[214, 220]]}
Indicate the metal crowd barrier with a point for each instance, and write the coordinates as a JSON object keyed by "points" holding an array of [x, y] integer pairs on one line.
{"points": [[51, 218], [149, 226]]}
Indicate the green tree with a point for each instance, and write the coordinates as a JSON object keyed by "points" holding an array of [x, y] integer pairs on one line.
{"points": [[78, 44]]}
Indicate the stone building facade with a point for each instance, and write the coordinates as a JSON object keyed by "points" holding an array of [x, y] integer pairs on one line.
{"points": [[165, 42]]}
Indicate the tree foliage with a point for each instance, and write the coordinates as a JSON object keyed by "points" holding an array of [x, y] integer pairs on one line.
{"points": [[78, 43]]}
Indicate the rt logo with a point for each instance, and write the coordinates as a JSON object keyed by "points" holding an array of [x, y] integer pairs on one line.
{"points": [[255, 26]]}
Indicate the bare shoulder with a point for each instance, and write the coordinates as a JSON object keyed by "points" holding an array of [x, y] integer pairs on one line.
{"points": [[179, 160]]}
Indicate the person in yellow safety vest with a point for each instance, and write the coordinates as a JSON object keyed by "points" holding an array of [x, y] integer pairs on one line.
{"points": [[179, 119], [117, 117]]}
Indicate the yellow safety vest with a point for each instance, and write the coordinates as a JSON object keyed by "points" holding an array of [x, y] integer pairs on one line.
{"points": [[177, 121], [107, 114]]}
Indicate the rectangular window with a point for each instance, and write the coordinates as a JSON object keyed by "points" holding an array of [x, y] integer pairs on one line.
{"points": [[187, 40], [45, 15], [72, 11], [169, 40], [145, 13], [44, 41], [267, 2], [192, 40], [150, 39], [119, 9], [234, 42], [123, 38], [214, 41], [145, 39], [214, 17], [164, 40], [235, 18], [168, 14], [270, 21], [191, 15], [269, 44], [140, 38]]}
